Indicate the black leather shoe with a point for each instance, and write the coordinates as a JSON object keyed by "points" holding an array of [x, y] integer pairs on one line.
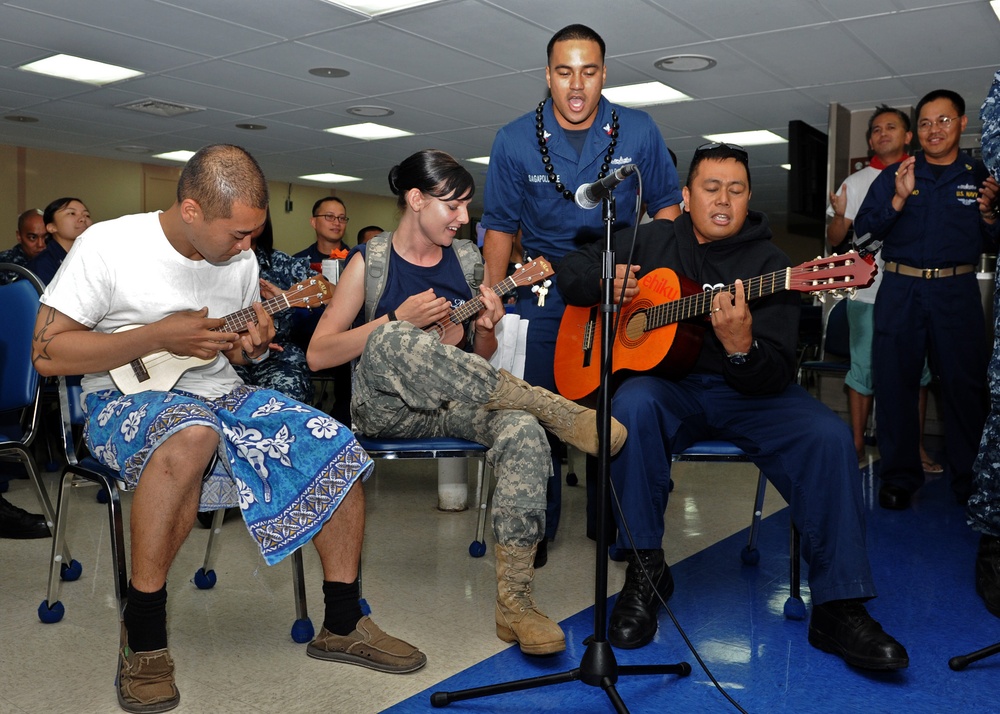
{"points": [[895, 498], [633, 619], [17, 523], [844, 628], [988, 573], [542, 553]]}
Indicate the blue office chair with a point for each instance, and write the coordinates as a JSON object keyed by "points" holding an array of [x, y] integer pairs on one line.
{"points": [[20, 388], [727, 452], [87, 468], [440, 447], [835, 348]]}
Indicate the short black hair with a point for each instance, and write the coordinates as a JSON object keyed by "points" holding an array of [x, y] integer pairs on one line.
{"points": [[221, 175], [23, 218], [886, 109], [953, 97], [434, 172], [321, 201], [574, 32], [718, 152], [361, 233], [50, 210]]}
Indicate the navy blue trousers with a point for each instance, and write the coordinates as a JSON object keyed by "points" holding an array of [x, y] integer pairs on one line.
{"points": [[942, 317], [803, 448]]}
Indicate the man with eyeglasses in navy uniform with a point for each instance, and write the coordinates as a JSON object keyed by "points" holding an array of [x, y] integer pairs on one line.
{"points": [[935, 213], [329, 221], [741, 389], [536, 165]]}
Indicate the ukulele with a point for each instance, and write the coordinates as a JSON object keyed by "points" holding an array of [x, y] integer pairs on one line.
{"points": [[159, 371], [451, 329], [667, 300]]}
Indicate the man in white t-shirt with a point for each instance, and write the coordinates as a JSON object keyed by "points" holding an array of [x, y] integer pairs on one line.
{"points": [[187, 278], [888, 136]]}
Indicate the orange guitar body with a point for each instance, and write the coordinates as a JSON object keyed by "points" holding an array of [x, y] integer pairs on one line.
{"points": [[670, 351]]}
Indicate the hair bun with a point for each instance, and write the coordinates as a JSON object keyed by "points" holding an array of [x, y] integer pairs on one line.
{"points": [[393, 173]]}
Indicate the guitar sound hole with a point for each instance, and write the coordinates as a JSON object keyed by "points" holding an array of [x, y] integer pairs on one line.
{"points": [[635, 328]]}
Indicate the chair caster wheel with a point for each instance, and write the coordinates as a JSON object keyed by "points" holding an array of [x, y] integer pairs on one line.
{"points": [[365, 607], [750, 556], [795, 609], [70, 572], [571, 479], [203, 580], [102, 496], [48, 615], [302, 630], [477, 549]]}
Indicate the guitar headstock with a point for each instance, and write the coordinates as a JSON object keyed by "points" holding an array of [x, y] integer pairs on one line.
{"points": [[311, 292], [843, 273], [531, 272]]}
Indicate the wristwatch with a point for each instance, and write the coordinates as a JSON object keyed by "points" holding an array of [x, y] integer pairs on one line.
{"points": [[741, 358]]}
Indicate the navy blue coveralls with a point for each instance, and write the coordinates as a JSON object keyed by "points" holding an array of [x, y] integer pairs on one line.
{"points": [[939, 227]]}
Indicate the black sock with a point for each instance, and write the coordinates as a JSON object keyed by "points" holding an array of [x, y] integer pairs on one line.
{"points": [[343, 606], [146, 619]]}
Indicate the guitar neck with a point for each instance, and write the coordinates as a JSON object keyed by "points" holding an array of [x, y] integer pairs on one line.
{"points": [[471, 308], [238, 321], [701, 303]]}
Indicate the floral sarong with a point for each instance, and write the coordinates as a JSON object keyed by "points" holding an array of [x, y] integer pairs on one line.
{"points": [[285, 464]]}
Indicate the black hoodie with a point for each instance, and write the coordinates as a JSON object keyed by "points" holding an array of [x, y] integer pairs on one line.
{"points": [[748, 254]]}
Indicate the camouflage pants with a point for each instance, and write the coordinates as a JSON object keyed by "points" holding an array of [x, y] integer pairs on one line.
{"points": [[984, 504], [407, 384]]}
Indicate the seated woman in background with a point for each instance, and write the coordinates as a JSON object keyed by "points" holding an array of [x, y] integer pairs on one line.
{"points": [[65, 219]]}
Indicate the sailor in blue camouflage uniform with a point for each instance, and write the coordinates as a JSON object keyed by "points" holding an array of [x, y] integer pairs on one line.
{"points": [[984, 504]]}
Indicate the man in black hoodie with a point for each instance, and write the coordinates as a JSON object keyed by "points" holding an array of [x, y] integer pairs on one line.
{"points": [[740, 389]]}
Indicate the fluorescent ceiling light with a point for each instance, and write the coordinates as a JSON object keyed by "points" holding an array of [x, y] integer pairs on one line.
{"points": [[643, 95], [786, 167], [182, 155], [379, 7], [747, 138], [368, 130], [481, 160], [329, 178], [80, 70], [995, 4]]}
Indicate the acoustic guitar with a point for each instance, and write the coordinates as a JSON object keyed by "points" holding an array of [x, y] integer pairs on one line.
{"points": [[451, 330], [159, 371], [657, 330]]}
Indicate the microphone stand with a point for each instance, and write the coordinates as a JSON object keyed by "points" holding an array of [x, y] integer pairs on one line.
{"points": [[598, 668]]}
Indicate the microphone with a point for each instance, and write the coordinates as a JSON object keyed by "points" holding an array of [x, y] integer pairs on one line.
{"points": [[589, 195]]}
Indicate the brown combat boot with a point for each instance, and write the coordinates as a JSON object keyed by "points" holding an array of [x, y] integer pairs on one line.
{"points": [[518, 618], [570, 422]]}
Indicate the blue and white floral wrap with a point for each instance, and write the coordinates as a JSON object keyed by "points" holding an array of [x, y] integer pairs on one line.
{"points": [[285, 464]]}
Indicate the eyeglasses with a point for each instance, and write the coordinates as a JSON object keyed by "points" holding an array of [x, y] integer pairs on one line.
{"points": [[331, 218], [704, 148], [943, 122]]}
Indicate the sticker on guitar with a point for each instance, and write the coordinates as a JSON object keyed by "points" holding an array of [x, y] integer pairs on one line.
{"points": [[667, 300], [159, 371]]}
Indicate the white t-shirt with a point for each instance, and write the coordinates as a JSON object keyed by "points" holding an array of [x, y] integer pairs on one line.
{"points": [[125, 272], [857, 185]]}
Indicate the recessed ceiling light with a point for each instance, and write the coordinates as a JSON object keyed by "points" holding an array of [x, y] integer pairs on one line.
{"points": [[133, 149], [182, 155], [643, 95], [685, 63], [159, 108], [481, 160], [747, 138], [21, 118], [80, 70], [251, 127], [786, 167], [379, 7], [370, 110], [329, 72], [368, 131], [329, 178]]}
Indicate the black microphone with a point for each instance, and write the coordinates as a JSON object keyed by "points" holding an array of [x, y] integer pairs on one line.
{"points": [[589, 195]]}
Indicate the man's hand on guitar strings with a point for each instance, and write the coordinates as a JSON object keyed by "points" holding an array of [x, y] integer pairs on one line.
{"points": [[194, 334], [258, 335], [731, 319], [631, 284]]}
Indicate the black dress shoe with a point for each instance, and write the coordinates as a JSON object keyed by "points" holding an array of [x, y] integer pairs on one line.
{"points": [[17, 523], [844, 628], [542, 553], [633, 619], [895, 498], [988, 572]]}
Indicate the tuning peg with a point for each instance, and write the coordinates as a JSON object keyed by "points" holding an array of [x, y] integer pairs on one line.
{"points": [[517, 266]]}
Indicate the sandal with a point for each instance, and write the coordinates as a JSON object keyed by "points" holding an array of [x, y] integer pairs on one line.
{"points": [[931, 466]]}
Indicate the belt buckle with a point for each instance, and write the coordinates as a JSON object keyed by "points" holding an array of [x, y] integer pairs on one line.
{"points": [[930, 273]]}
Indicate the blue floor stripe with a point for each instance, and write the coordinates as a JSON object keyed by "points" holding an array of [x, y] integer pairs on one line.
{"points": [[923, 560]]}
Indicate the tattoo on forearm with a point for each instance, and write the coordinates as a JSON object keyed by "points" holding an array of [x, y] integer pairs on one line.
{"points": [[40, 343]]}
